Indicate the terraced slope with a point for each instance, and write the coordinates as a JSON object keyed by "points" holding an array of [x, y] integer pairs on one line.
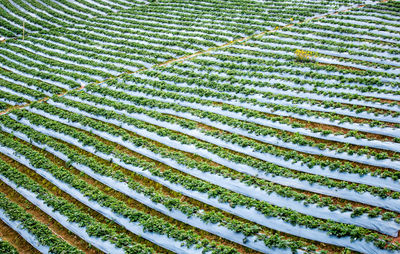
{"points": [[200, 126]]}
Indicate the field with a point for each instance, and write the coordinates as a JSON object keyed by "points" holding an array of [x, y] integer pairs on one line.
{"points": [[204, 126]]}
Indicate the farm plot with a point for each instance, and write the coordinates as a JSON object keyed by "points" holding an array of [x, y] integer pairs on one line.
{"points": [[146, 127], [68, 44]]}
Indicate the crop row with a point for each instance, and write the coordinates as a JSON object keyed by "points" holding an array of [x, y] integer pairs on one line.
{"points": [[107, 150], [244, 125], [148, 226], [43, 239], [67, 213], [170, 206], [6, 247], [122, 113]]}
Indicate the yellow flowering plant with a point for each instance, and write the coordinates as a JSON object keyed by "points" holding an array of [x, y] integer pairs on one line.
{"points": [[305, 55]]}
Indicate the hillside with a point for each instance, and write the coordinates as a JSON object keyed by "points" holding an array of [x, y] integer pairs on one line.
{"points": [[236, 126]]}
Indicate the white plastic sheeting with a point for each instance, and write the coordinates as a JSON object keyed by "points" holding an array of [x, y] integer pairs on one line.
{"points": [[250, 214], [340, 138], [366, 198], [134, 227], [365, 179], [24, 233], [364, 159], [174, 213], [242, 188], [63, 220]]}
